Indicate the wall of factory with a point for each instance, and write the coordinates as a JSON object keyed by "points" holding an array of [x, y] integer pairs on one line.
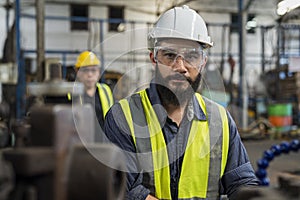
{"points": [[3, 28], [252, 47], [126, 52]]}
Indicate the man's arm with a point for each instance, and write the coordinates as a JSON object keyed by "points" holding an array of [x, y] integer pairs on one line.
{"points": [[239, 171], [118, 132]]}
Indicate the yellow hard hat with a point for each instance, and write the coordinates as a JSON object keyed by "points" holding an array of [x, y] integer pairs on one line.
{"points": [[87, 58]]}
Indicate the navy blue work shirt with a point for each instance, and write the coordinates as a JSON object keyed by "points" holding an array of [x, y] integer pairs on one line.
{"points": [[238, 169]]}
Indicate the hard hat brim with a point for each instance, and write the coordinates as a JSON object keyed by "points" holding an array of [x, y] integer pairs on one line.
{"points": [[162, 33]]}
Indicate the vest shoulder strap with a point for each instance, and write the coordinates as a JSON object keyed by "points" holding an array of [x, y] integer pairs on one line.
{"points": [[105, 95], [140, 131]]}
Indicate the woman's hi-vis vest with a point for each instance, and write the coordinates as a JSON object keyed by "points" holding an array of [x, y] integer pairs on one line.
{"points": [[105, 94], [205, 154]]}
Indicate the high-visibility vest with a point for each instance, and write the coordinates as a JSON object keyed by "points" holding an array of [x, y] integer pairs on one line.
{"points": [[205, 154], [105, 94]]}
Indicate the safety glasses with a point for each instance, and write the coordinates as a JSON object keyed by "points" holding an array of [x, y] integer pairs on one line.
{"points": [[193, 57], [86, 70]]}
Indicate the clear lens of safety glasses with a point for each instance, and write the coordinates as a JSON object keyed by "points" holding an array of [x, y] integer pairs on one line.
{"points": [[190, 56]]}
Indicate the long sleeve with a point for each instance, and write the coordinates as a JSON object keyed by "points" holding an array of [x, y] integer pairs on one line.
{"points": [[117, 132], [239, 171]]}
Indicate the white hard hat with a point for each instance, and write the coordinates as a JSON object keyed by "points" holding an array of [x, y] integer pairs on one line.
{"points": [[180, 22]]}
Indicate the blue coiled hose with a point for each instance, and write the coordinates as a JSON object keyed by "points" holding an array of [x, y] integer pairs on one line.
{"points": [[268, 155]]}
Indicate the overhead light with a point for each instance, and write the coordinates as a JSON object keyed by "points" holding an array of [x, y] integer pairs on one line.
{"points": [[251, 24], [121, 27], [286, 6]]}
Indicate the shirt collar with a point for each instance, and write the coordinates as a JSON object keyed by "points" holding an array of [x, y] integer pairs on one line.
{"points": [[198, 112], [194, 109]]}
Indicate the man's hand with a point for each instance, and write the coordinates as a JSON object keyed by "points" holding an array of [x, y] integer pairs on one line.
{"points": [[149, 197]]}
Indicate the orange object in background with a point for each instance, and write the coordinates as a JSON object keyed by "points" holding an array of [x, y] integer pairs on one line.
{"points": [[279, 121]]}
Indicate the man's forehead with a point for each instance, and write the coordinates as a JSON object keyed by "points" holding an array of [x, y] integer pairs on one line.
{"points": [[90, 67]]}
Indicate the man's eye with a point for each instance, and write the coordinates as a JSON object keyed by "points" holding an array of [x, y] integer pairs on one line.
{"points": [[170, 55], [193, 56]]}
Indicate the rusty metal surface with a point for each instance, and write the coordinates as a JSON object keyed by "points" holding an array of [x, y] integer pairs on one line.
{"points": [[60, 159], [289, 183], [289, 188], [89, 178], [6, 177], [61, 125], [31, 161]]}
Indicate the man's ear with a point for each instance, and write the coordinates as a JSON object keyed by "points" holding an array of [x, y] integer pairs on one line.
{"points": [[205, 60], [203, 64], [152, 58]]}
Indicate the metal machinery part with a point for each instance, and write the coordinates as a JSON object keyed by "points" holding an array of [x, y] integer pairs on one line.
{"points": [[57, 163], [55, 86], [4, 115], [99, 181], [6, 178], [7, 76], [52, 157], [289, 188], [4, 134]]}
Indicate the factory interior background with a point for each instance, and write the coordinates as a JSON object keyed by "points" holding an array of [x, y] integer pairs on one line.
{"points": [[253, 70]]}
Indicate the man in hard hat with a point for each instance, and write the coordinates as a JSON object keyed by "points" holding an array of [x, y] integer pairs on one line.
{"points": [[97, 94], [178, 144]]}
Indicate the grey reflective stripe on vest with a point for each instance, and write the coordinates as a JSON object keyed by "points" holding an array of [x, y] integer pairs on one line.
{"points": [[216, 141], [143, 145]]}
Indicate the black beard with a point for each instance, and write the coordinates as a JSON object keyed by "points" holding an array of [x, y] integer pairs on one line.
{"points": [[175, 97]]}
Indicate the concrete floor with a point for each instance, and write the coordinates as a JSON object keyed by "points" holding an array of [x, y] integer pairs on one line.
{"points": [[283, 163]]}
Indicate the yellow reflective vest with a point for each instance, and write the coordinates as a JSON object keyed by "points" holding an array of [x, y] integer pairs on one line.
{"points": [[205, 154], [105, 94]]}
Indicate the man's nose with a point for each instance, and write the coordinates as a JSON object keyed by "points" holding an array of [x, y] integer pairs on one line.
{"points": [[178, 65]]}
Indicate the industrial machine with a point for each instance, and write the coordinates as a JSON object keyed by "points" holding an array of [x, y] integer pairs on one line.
{"points": [[54, 154]]}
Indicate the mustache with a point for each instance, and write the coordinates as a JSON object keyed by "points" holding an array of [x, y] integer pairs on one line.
{"points": [[177, 76]]}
